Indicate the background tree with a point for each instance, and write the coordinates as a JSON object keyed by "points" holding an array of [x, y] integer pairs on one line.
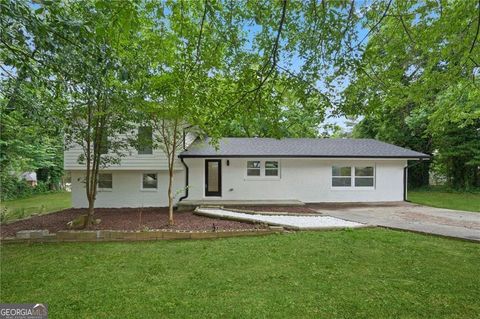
{"points": [[76, 54], [415, 84], [30, 132]]}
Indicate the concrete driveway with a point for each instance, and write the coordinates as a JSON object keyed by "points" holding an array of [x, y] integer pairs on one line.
{"points": [[407, 216]]}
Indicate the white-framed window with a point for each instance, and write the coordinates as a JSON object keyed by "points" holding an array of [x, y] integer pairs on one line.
{"points": [[263, 169], [145, 140], [341, 176], [353, 176], [150, 181], [271, 168], [253, 168], [364, 176], [105, 181]]}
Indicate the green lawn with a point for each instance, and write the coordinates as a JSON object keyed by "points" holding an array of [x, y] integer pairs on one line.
{"points": [[37, 204], [369, 273], [444, 199]]}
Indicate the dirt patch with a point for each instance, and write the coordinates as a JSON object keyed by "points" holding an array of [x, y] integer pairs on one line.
{"points": [[125, 219], [282, 209]]}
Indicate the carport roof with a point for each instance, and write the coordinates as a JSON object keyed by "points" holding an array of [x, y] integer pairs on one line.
{"points": [[299, 147]]}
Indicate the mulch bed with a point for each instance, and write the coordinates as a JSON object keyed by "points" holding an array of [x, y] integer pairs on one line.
{"points": [[282, 209], [125, 219]]}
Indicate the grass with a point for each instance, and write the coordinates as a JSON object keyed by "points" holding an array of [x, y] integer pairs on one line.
{"points": [[445, 199], [37, 204], [368, 273]]}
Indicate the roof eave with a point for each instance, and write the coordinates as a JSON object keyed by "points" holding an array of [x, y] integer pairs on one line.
{"points": [[421, 157]]}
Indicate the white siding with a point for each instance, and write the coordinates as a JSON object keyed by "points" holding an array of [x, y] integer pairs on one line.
{"points": [[308, 180], [127, 192], [131, 161]]}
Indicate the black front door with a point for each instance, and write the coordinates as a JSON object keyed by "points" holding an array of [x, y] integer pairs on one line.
{"points": [[213, 177]]}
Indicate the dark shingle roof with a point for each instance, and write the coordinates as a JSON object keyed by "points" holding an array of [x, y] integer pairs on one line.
{"points": [[299, 147]]}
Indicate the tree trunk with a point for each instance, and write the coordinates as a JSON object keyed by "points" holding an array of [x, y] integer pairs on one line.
{"points": [[90, 212], [170, 197]]}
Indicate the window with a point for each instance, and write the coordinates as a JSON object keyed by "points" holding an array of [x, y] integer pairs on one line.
{"points": [[149, 181], [364, 176], [271, 168], [357, 176], [105, 181], [341, 176], [145, 140], [263, 169], [253, 168]]}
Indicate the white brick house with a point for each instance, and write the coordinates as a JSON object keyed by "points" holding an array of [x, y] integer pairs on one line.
{"points": [[253, 169]]}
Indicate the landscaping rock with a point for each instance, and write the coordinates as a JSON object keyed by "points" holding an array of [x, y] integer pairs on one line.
{"points": [[78, 223], [32, 234], [77, 235]]}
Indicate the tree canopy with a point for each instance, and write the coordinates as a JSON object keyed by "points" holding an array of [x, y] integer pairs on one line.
{"points": [[408, 70], [416, 85]]}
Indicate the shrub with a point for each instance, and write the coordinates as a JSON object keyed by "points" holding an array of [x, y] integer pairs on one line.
{"points": [[12, 188]]}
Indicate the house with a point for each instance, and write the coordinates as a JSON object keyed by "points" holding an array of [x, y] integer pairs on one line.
{"points": [[254, 169], [30, 178]]}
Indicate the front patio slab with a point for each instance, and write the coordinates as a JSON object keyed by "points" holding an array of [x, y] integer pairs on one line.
{"points": [[191, 204], [408, 216], [291, 222]]}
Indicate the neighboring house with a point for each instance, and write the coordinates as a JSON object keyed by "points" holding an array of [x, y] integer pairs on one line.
{"points": [[30, 178], [308, 170]]}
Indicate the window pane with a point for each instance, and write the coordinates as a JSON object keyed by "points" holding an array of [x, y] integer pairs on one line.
{"points": [[253, 164], [144, 140], [341, 181], [271, 172], [341, 171], [212, 177], [253, 172], [363, 171], [364, 181], [149, 180], [105, 181], [271, 164]]}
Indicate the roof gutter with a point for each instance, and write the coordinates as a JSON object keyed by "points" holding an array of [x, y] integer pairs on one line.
{"points": [[302, 156], [186, 180]]}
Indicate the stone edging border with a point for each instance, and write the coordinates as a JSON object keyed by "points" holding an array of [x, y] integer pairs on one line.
{"points": [[116, 235]]}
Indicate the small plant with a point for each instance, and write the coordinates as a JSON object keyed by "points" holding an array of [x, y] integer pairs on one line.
{"points": [[20, 212], [4, 215]]}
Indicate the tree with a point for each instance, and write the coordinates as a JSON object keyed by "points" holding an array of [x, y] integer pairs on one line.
{"points": [[30, 130], [416, 81], [95, 84], [201, 67]]}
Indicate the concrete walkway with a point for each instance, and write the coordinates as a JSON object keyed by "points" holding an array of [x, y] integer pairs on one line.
{"points": [[305, 222], [407, 216]]}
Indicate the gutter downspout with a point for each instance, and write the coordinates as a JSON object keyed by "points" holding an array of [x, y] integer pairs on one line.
{"points": [[186, 180], [405, 174]]}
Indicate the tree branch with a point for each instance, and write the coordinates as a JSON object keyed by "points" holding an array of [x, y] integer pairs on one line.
{"points": [[378, 22], [201, 31], [478, 30], [273, 57]]}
